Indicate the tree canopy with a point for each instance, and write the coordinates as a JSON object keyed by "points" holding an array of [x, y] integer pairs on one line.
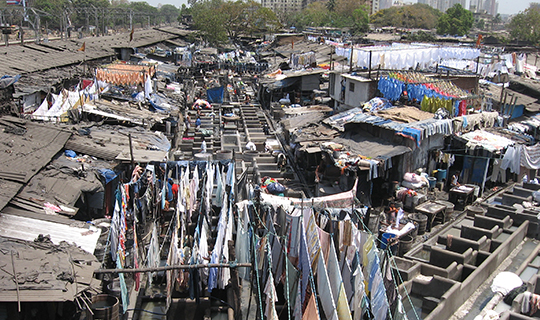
{"points": [[456, 21], [525, 26], [334, 13], [414, 16], [220, 20]]}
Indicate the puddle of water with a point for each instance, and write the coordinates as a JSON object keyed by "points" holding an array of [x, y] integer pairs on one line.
{"points": [[416, 306], [422, 254], [536, 261], [153, 306]]}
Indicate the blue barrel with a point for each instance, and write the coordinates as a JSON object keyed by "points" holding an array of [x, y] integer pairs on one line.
{"points": [[384, 242], [432, 182], [441, 174]]}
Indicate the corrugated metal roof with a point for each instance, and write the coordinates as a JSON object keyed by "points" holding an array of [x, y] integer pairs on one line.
{"points": [[8, 190], [17, 59], [110, 142], [42, 276], [363, 143], [28, 229], [23, 155], [26, 148]]}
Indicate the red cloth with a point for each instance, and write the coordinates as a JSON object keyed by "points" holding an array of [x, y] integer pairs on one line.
{"points": [[462, 108], [175, 190], [86, 83]]}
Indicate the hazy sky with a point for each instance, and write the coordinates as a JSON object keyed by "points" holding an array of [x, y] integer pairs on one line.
{"points": [[505, 6], [513, 6]]}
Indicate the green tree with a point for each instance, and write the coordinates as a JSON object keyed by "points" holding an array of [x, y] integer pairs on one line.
{"points": [[481, 24], [221, 20], [169, 13], [54, 8], [360, 20], [456, 21], [525, 26], [335, 13], [418, 16], [209, 20], [143, 13], [331, 5]]}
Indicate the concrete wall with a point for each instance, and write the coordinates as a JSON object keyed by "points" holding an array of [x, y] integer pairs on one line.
{"points": [[446, 308], [364, 90]]}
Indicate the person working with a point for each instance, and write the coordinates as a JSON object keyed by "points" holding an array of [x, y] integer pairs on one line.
{"points": [[454, 182], [251, 146]]}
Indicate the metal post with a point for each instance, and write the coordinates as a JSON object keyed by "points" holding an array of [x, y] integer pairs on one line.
{"points": [[369, 72], [350, 60], [331, 58]]}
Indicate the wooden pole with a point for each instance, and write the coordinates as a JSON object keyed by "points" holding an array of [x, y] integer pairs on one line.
{"points": [[131, 149], [16, 282]]}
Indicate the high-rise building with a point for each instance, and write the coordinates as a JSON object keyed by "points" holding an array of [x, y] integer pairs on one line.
{"points": [[490, 7], [476, 6], [375, 6], [284, 5]]}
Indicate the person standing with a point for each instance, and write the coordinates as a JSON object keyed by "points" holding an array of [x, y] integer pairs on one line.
{"points": [[198, 123], [203, 146]]}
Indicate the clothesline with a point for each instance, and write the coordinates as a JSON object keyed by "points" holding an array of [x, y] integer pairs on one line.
{"points": [[175, 267]]}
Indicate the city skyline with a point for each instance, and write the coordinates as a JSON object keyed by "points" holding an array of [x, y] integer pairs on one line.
{"points": [[505, 6]]}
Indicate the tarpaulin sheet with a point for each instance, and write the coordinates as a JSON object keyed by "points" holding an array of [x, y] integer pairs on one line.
{"points": [[215, 95], [6, 81]]}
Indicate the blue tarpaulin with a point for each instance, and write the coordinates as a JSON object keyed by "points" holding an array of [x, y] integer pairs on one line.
{"points": [[6, 81], [215, 95], [108, 174]]}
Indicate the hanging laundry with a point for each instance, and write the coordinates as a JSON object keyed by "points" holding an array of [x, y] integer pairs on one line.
{"points": [[271, 298], [324, 290]]}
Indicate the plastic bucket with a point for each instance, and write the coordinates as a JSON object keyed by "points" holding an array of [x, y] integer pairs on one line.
{"points": [[405, 244], [421, 219], [441, 174], [432, 181], [384, 242]]}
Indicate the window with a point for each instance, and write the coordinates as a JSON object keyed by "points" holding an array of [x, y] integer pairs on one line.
{"points": [[351, 86]]}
